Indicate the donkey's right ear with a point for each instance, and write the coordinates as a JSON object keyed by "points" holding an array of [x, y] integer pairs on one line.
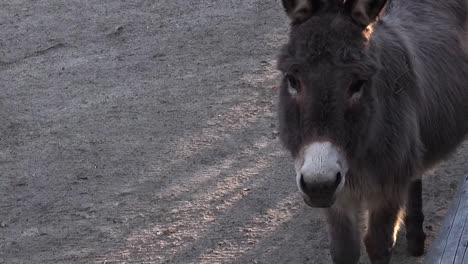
{"points": [[300, 10]]}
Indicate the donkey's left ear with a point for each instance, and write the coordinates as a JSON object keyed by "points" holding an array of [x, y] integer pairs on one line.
{"points": [[300, 10], [365, 12]]}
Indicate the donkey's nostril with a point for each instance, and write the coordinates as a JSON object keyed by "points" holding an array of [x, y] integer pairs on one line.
{"points": [[302, 183], [338, 179]]}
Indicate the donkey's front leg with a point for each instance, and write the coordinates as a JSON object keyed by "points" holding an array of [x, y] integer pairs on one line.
{"points": [[343, 230], [383, 221], [414, 219]]}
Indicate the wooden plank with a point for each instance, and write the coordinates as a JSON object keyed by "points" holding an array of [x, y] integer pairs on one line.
{"points": [[461, 257], [450, 246]]}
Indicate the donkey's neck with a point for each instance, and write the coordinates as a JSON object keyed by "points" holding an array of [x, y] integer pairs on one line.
{"points": [[394, 132]]}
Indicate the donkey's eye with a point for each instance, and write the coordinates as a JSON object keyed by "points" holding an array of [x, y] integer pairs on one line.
{"points": [[293, 84], [356, 88]]}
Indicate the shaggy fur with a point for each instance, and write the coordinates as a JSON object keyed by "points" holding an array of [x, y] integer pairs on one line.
{"points": [[389, 87]]}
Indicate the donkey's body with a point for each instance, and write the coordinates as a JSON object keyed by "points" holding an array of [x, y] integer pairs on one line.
{"points": [[422, 88], [382, 102], [430, 35]]}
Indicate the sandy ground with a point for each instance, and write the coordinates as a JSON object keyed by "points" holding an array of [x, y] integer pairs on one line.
{"points": [[145, 132]]}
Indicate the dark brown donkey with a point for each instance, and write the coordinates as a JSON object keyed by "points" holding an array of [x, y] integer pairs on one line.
{"points": [[374, 93]]}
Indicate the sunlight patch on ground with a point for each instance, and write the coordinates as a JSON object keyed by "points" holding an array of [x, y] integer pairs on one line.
{"points": [[197, 178], [189, 220], [269, 75], [235, 118], [204, 206], [258, 228]]}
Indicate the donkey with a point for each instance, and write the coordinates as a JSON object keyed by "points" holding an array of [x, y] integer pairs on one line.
{"points": [[373, 94]]}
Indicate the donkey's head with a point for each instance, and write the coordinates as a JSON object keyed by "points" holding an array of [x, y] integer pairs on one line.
{"points": [[326, 98]]}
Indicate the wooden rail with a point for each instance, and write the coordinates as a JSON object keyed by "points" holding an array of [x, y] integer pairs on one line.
{"points": [[451, 244]]}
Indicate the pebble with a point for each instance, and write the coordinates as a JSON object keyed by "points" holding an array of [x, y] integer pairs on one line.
{"points": [[31, 232], [168, 231]]}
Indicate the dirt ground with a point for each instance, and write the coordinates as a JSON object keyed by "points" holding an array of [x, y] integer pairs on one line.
{"points": [[145, 132]]}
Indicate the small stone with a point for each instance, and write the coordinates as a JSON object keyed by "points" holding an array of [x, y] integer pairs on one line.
{"points": [[3, 224], [21, 183], [31, 232], [453, 185], [275, 134], [82, 177], [169, 231]]}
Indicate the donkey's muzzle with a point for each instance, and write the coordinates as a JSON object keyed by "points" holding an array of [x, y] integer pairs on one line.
{"points": [[321, 172], [321, 195]]}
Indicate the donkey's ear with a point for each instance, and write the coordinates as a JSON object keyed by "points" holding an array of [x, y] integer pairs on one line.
{"points": [[365, 12], [300, 10]]}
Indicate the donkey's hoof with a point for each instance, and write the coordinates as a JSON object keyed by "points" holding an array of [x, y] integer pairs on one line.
{"points": [[382, 260], [416, 245], [416, 249]]}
